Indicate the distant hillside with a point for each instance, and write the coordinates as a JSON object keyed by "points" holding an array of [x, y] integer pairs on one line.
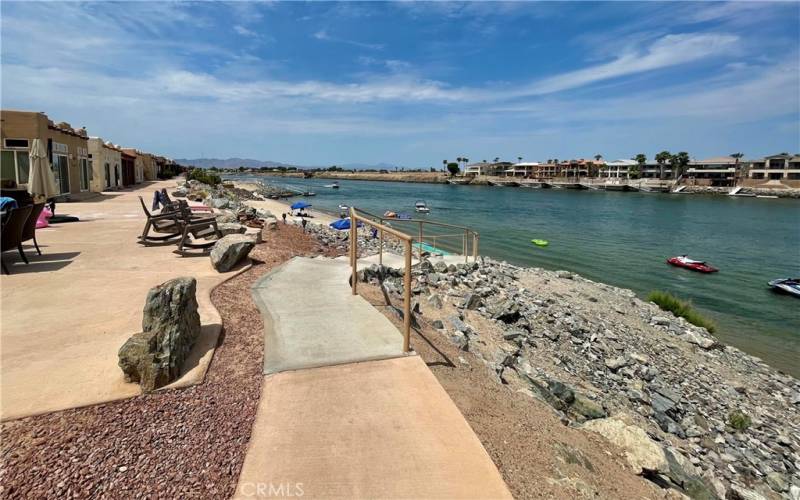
{"points": [[250, 163], [231, 163]]}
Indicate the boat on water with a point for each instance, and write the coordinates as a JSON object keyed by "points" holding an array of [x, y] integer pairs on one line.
{"points": [[460, 181], [309, 193], [790, 286], [503, 183], [335, 185], [540, 243], [344, 208], [694, 265], [421, 207]]}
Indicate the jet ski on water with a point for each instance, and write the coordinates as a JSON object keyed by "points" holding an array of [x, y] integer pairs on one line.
{"points": [[694, 265], [790, 286]]}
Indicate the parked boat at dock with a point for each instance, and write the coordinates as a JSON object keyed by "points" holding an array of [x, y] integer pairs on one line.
{"points": [[503, 183], [459, 181]]}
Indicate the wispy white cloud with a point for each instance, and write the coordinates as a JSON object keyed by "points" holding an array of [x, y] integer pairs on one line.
{"points": [[325, 36], [671, 50], [244, 31]]}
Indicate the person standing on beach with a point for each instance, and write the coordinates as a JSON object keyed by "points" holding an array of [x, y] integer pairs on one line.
{"points": [[284, 217], [304, 222]]}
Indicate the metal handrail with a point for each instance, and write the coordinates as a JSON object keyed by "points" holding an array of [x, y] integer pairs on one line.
{"points": [[354, 220], [357, 215], [465, 247]]}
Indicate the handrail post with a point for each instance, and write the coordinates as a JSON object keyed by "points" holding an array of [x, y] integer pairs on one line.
{"points": [[354, 251], [407, 300], [466, 255], [419, 242], [380, 252], [475, 239]]}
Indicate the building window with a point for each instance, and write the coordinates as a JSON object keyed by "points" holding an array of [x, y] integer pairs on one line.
{"points": [[16, 143], [15, 166]]}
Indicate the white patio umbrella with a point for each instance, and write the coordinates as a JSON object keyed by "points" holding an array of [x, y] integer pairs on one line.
{"points": [[41, 181]]}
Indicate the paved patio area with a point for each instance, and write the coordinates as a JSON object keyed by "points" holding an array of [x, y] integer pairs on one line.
{"points": [[344, 413], [311, 318], [65, 316], [380, 429]]}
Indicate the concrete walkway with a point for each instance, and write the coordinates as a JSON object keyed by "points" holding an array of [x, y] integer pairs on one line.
{"points": [[311, 319], [65, 316], [372, 429]]}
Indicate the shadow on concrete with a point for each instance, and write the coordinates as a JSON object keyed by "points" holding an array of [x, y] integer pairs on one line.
{"points": [[93, 198], [38, 263]]}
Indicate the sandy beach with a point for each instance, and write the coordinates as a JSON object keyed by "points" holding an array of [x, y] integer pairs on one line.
{"points": [[278, 207]]}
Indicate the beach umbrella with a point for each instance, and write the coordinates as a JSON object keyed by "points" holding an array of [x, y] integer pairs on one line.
{"points": [[341, 224], [300, 205], [41, 181], [344, 224]]}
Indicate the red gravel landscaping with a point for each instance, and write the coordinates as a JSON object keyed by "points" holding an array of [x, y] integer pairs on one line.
{"points": [[177, 443]]}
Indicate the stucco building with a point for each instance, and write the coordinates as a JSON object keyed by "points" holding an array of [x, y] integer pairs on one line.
{"points": [[106, 161], [67, 150]]}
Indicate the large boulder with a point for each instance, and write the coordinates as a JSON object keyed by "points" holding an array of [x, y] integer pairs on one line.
{"points": [[218, 203], [227, 228], [230, 250], [641, 452], [170, 327]]}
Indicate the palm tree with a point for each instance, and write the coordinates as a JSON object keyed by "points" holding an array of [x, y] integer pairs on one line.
{"points": [[662, 158], [519, 159], [641, 159], [736, 173], [679, 162], [597, 157], [496, 159]]}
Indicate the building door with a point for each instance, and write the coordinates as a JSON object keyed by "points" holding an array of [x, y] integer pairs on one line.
{"points": [[61, 172], [84, 171], [108, 175], [116, 175]]}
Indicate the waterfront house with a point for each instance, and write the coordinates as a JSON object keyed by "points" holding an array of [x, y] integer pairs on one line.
{"points": [[106, 160], [780, 167], [716, 171], [617, 169], [67, 150], [485, 168], [547, 170], [523, 169], [580, 168], [652, 170]]}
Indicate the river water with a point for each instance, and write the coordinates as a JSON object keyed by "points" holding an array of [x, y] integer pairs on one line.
{"points": [[623, 239]]}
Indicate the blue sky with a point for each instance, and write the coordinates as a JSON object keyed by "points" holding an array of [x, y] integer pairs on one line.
{"points": [[412, 83]]}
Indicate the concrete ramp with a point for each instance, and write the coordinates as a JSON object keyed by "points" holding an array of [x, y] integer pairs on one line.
{"points": [[311, 319], [383, 429]]}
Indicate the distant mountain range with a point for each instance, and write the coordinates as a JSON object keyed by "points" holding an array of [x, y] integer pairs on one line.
{"points": [[250, 163], [231, 163]]}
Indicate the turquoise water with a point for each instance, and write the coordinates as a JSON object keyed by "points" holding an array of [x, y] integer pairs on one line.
{"points": [[623, 239]]}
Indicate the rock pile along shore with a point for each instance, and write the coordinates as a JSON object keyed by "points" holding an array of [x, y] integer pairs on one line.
{"points": [[692, 414]]}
